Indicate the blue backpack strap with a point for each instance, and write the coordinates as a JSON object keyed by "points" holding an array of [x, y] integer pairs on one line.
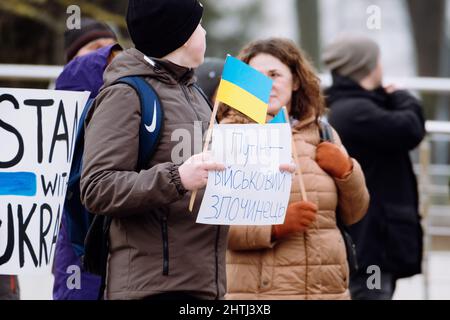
{"points": [[77, 224], [152, 117], [75, 171]]}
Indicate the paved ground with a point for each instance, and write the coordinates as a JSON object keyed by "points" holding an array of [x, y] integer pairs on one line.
{"points": [[439, 280], [40, 288]]}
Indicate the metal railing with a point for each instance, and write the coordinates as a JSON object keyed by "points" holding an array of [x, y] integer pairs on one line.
{"points": [[46, 72], [433, 214], [29, 72]]}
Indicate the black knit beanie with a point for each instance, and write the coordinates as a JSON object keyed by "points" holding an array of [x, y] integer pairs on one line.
{"points": [[159, 27], [75, 39]]}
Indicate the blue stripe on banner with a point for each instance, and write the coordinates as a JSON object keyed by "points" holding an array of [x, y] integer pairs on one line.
{"points": [[17, 184], [249, 79]]}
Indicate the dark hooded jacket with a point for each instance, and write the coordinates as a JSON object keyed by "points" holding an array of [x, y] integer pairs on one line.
{"points": [[378, 130]]}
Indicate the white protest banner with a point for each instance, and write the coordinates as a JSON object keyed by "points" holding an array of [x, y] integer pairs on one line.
{"points": [[37, 138], [252, 190]]}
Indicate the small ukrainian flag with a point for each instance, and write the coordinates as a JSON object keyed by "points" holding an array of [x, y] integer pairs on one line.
{"points": [[279, 118], [245, 89]]}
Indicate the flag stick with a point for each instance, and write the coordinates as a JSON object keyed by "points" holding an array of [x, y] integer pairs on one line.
{"points": [[205, 147], [297, 162]]}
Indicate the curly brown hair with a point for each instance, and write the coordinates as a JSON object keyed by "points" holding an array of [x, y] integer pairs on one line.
{"points": [[308, 99]]}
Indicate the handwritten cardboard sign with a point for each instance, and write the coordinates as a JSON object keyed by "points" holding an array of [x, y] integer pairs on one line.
{"points": [[252, 190], [37, 138]]}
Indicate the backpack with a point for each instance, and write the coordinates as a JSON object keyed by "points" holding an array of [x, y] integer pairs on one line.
{"points": [[87, 232], [326, 134]]}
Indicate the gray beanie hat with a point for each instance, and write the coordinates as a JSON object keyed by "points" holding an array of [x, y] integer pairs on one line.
{"points": [[352, 56]]}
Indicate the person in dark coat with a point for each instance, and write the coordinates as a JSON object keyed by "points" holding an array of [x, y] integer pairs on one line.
{"points": [[9, 288], [379, 127]]}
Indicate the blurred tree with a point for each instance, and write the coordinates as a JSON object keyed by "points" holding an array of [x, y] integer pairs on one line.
{"points": [[428, 25], [309, 27], [431, 46], [229, 25], [32, 30]]}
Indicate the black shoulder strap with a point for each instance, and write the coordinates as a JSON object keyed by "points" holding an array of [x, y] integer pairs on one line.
{"points": [[152, 117], [326, 134]]}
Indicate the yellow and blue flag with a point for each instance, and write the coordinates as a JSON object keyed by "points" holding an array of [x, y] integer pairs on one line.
{"points": [[279, 118], [245, 89]]}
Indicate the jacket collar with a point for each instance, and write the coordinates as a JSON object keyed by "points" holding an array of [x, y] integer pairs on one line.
{"points": [[85, 73], [180, 74], [298, 125], [132, 62]]}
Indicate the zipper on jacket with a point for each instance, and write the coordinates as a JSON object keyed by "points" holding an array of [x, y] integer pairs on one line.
{"points": [[165, 239], [190, 102], [216, 252]]}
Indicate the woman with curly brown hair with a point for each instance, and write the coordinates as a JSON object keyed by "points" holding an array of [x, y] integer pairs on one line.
{"points": [[304, 258]]}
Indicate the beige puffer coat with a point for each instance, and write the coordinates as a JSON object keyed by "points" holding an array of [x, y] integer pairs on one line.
{"points": [[309, 265]]}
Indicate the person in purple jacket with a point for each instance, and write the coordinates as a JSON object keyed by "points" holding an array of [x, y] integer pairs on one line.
{"points": [[88, 51]]}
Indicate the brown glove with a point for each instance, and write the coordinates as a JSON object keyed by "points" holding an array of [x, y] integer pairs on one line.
{"points": [[299, 216], [333, 161]]}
